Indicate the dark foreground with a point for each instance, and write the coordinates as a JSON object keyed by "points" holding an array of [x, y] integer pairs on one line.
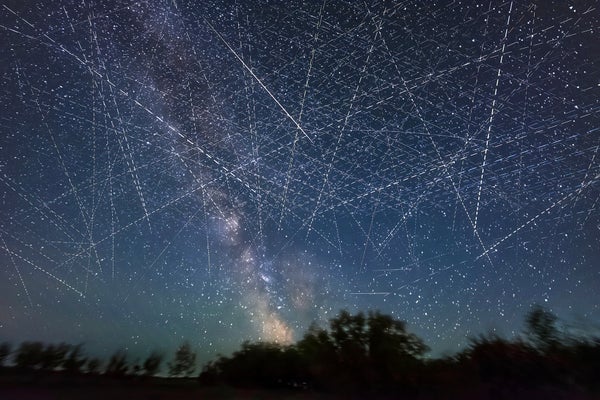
{"points": [[160, 393], [101, 388]]}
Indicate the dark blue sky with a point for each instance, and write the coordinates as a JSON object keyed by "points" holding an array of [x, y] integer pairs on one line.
{"points": [[229, 171]]}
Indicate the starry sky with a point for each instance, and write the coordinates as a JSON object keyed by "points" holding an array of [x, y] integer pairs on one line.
{"points": [[221, 171]]}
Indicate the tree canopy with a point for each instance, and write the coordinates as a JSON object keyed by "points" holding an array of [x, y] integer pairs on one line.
{"points": [[354, 350]]}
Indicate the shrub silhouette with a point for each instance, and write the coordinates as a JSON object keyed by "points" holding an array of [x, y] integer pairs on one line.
{"points": [[152, 364], [394, 354], [30, 355], [53, 356], [545, 358], [117, 364], [93, 366], [5, 349], [585, 363], [74, 361], [184, 362], [499, 360], [541, 329], [260, 364]]}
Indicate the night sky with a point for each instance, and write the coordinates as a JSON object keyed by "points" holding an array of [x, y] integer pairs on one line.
{"points": [[229, 171]]}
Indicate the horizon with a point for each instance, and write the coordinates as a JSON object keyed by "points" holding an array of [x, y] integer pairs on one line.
{"points": [[566, 329]]}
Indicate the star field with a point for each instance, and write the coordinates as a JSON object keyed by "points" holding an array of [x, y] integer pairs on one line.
{"points": [[223, 171]]}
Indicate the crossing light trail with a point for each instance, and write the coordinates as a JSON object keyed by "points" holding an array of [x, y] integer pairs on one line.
{"points": [[250, 166], [260, 82]]}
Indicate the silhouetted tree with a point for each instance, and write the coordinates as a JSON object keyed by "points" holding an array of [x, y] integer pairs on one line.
{"points": [[117, 364], [53, 356], [319, 356], [259, 364], [152, 364], [541, 328], [5, 349], [75, 360], [359, 351], [386, 334], [93, 366], [184, 362], [393, 352], [499, 360], [349, 334], [29, 355]]}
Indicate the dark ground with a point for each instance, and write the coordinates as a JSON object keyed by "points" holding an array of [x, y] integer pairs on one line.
{"points": [[56, 385], [107, 389]]}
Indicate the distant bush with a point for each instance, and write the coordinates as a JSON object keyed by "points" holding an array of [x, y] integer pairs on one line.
{"points": [[117, 364], [30, 355], [5, 349], [152, 364], [184, 362]]}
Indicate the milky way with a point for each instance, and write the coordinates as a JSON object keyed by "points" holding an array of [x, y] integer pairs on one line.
{"points": [[229, 171]]}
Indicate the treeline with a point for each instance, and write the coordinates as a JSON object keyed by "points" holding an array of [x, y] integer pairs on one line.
{"points": [[362, 354], [70, 359], [374, 353]]}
